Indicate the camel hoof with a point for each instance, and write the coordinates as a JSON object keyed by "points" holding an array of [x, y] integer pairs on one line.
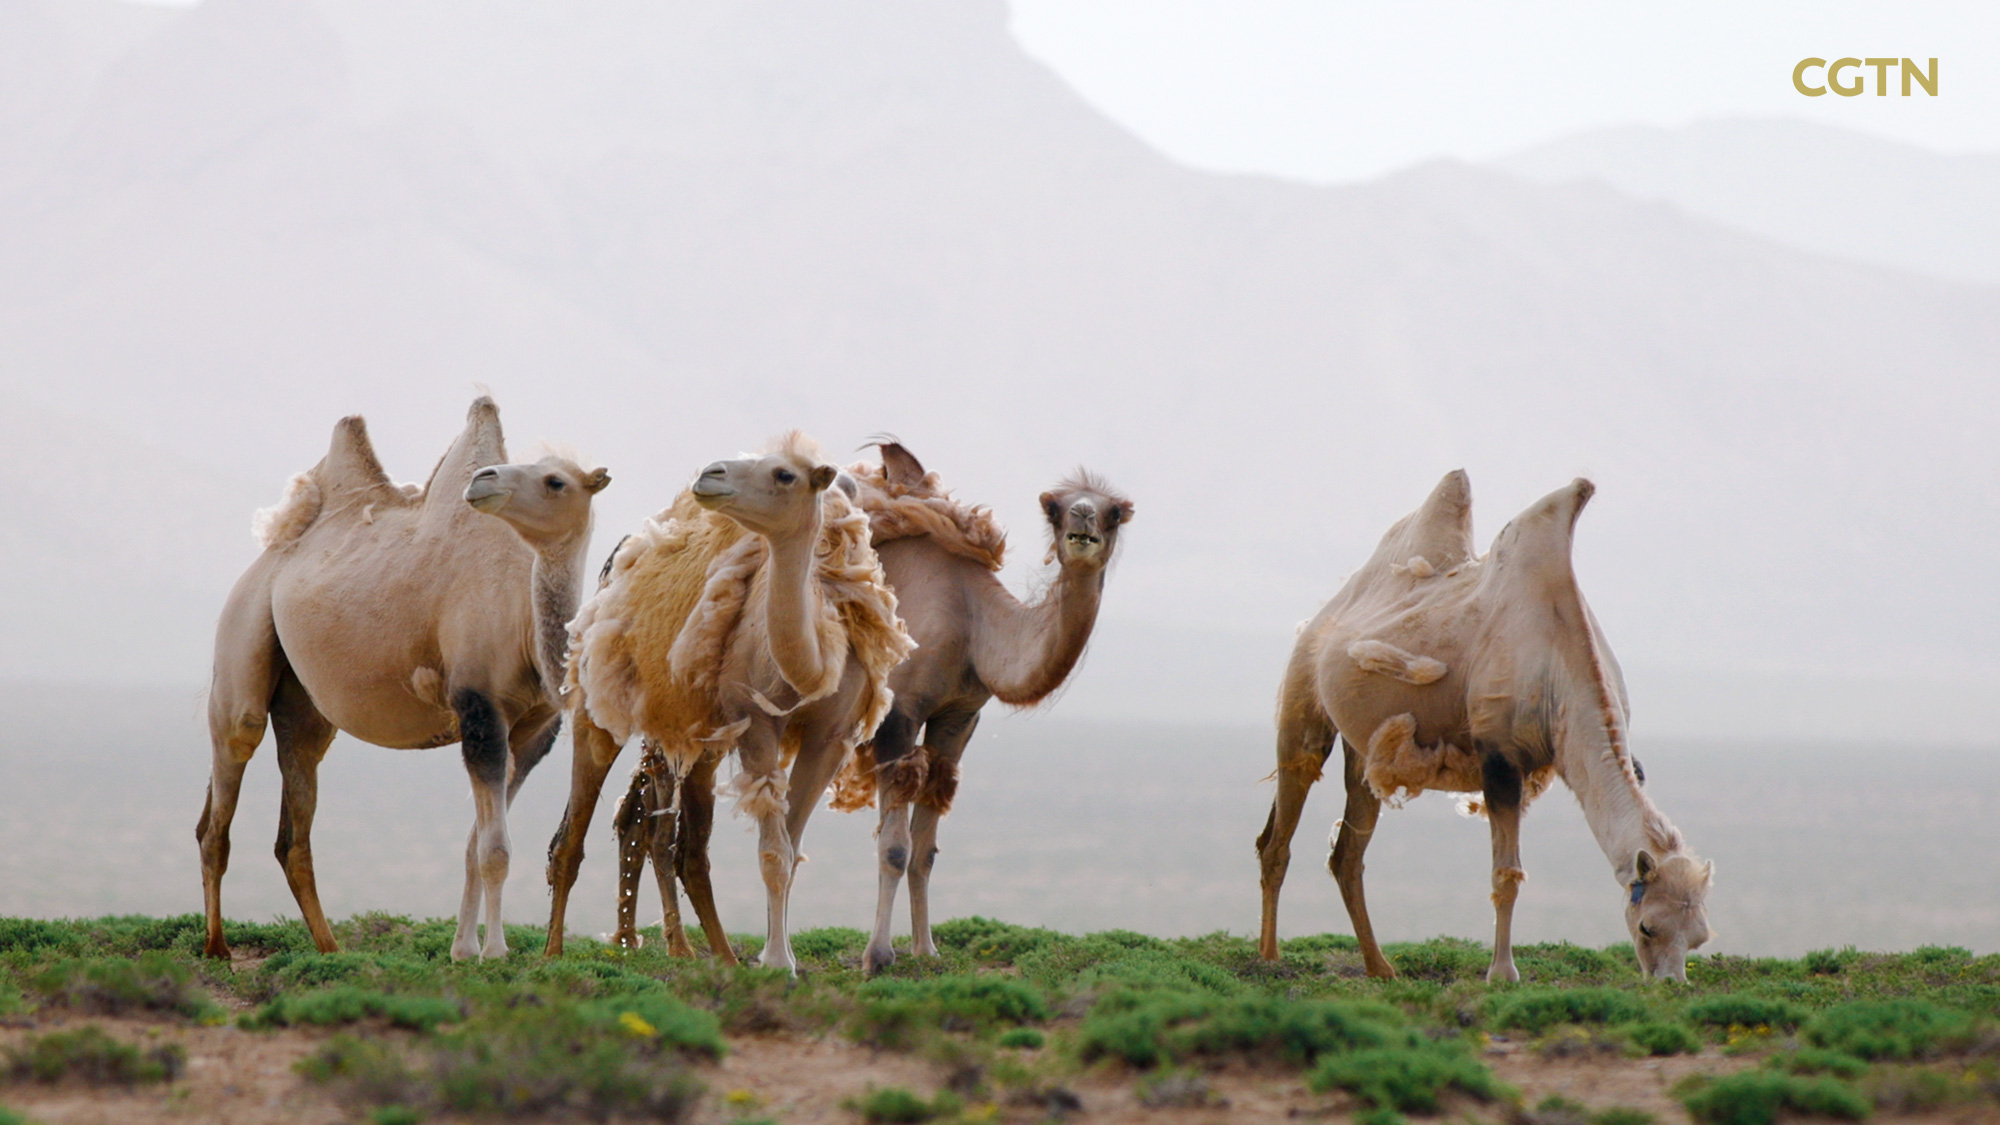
{"points": [[874, 960], [1502, 973], [627, 939]]}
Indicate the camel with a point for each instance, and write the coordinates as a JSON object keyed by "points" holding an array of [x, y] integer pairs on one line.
{"points": [[751, 617], [410, 618], [1476, 675], [975, 641]]}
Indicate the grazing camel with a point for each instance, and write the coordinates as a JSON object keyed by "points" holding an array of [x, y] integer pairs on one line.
{"points": [[752, 616], [1485, 676], [409, 618], [974, 641]]}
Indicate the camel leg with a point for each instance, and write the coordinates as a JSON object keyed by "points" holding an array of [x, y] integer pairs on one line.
{"points": [[1357, 828], [248, 662], [635, 826], [234, 736], [1502, 781], [697, 824], [664, 846], [945, 739], [1304, 740], [761, 796], [303, 735], [484, 742], [592, 753], [896, 757]]}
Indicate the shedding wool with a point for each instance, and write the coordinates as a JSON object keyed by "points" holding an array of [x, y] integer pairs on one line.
{"points": [[1385, 659], [903, 511], [897, 511], [646, 651], [288, 519]]}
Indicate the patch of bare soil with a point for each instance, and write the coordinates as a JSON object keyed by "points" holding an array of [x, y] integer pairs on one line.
{"points": [[239, 1077]]}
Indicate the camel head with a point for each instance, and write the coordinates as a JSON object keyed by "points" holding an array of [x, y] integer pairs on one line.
{"points": [[1666, 908], [1084, 514], [775, 495], [547, 502]]}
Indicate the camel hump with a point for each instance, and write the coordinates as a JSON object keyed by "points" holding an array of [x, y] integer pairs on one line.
{"points": [[1440, 531], [1537, 544], [480, 444], [350, 476]]}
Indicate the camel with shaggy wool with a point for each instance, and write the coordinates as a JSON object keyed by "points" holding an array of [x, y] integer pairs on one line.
{"points": [[410, 618], [1438, 670], [752, 617], [975, 641]]}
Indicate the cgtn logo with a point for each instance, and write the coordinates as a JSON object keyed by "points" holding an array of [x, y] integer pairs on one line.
{"points": [[1926, 77]]}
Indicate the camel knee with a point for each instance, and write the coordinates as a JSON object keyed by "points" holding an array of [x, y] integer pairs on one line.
{"points": [[776, 863], [1507, 885], [896, 858]]}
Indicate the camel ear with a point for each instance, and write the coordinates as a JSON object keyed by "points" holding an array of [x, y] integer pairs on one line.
{"points": [[1644, 866], [1121, 513], [595, 482], [1049, 508], [901, 466], [822, 475]]}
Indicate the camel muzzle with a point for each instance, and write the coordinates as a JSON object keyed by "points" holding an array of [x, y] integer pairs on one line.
{"points": [[712, 485], [486, 493]]}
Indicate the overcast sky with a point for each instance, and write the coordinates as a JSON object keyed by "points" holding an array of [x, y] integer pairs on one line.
{"points": [[1338, 89]]}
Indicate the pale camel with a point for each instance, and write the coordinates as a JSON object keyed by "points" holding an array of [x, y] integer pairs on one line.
{"points": [[761, 625], [1485, 676], [408, 619], [975, 641]]}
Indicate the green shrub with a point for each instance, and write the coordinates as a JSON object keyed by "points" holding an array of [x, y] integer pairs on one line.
{"points": [[1755, 1097], [898, 1014], [829, 942], [395, 1115], [29, 935], [990, 941], [894, 1105], [1664, 1039], [1818, 1060], [1145, 1029], [1737, 1010], [9, 1117], [1537, 1009], [1026, 1038], [334, 1007], [1408, 1079], [1890, 1029], [600, 1058], [152, 982], [1441, 959], [1621, 1115], [89, 1055]]}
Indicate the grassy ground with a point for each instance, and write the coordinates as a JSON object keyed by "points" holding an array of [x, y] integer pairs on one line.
{"points": [[1009, 1023]]}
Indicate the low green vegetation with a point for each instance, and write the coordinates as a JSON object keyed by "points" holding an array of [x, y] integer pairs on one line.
{"points": [[88, 1055], [1008, 1016]]}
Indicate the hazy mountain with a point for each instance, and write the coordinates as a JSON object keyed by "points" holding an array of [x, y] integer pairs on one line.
{"points": [[664, 232], [1839, 192]]}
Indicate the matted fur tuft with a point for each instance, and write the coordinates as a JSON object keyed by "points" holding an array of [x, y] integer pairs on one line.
{"points": [[900, 511], [647, 649], [288, 519]]}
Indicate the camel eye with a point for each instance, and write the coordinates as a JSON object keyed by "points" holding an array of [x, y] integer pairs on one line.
{"points": [[1647, 930], [555, 484], [786, 476]]}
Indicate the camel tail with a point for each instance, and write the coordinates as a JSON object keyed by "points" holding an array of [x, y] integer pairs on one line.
{"points": [[288, 519]]}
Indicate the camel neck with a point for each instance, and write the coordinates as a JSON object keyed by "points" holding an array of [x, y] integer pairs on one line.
{"points": [[557, 590], [1597, 768], [1024, 652], [792, 617]]}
